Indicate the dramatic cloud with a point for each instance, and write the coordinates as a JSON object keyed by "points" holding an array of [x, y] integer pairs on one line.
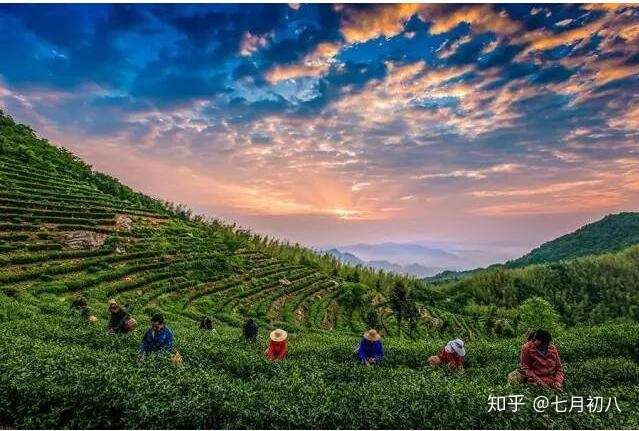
{"points": [[314, 64], [252, 43], [331, 123], [360, 25], [481, 18]]}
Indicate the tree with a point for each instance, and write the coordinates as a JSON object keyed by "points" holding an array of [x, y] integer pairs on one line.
{"points": [[412, 316], [398, 302], [371, 319], [537, 313], [352, 294], [354, 276]]}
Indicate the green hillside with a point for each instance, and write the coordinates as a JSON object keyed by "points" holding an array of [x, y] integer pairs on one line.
{"points": [[66, 230], [612, 233]]}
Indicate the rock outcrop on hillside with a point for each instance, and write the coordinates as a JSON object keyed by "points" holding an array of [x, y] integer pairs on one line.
{"points": [[79, 239]]}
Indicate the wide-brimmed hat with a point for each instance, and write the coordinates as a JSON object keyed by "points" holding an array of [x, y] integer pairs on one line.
{"points": [[278, 335], [111, 302], [456, 346], [372, 335], [130, 324]]}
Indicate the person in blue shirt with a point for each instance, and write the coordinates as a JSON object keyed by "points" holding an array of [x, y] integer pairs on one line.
{"points": [[370, 350], [159, 338]]}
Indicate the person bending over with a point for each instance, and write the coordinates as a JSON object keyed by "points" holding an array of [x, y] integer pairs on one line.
{"points": [[158, 338], [277, 346], [250, 330], [80, 303], [206, 324], [120, 321], [452, 355], [370, 350]]}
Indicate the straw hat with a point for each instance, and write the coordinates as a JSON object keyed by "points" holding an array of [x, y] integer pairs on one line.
{"points": [[93, 319], [131, 324], [278, 335], [456, 346], [372, 335], [176, 358], [112, 302]]}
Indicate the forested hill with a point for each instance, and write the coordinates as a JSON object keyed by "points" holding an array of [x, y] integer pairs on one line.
{"points": [[612, 233]]}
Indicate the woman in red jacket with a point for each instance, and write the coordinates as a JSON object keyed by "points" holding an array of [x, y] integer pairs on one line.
{"points": [[452, 355], [539, 363], [277, 346]]}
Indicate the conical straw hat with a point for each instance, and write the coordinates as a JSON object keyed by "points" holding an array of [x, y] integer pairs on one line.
{"points": [[278, 335], [372, 335]]}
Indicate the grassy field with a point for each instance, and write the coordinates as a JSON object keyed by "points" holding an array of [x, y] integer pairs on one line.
{"points": [[58, 371]]}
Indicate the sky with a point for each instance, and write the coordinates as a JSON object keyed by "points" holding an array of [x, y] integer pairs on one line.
{"points": [[498, 125]]}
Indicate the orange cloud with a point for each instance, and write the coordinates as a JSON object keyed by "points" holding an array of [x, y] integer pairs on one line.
{"points": [[629, 33], [446, 50], [383, 101], [578, 197], [382, 20], [401, 74], [540, 41], [614, 22], [594, 73], [587, 201], [481, 18], [312, 65], [614, 186], [553, 188], [606, 6], [611, 70], [389, 20], [436, 78], [629, 119], [251, 43]]}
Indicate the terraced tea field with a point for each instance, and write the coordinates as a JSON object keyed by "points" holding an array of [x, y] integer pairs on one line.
{"points": [[65, 230], [63, 236]]}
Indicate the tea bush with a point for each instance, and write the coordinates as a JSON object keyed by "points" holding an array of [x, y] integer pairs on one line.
{"points": [[59, 372]]}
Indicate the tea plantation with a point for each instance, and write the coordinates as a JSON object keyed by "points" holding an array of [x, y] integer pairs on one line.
{"points": [[66, 230]]}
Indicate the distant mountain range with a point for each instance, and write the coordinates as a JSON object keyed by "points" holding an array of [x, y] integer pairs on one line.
{"points": [[404, 254], [612, 233], [410, 269], [423, 259]]}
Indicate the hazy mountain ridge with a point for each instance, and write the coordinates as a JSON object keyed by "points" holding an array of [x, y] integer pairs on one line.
{"points": [[410, 269], [423, 259]]}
